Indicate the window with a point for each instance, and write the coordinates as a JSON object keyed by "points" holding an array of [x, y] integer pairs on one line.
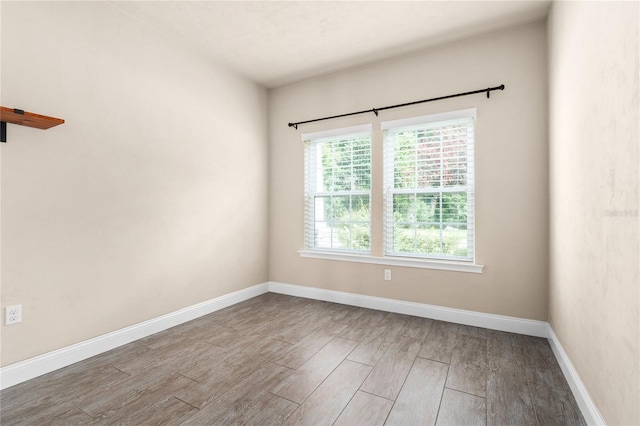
{"points": [[424, 182], [338, 190], [429, 189]]}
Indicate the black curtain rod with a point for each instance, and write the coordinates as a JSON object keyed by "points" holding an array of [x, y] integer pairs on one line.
{"points": [[488, 90]]}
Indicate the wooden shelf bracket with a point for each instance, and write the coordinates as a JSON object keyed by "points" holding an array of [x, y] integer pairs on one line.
{"points": [[29, 119]]}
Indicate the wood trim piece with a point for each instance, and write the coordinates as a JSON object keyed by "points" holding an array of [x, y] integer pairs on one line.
{"points": [[30, 119]]}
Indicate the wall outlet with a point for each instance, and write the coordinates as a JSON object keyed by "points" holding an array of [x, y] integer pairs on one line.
{"points": [[387, 274], [12, 314]]}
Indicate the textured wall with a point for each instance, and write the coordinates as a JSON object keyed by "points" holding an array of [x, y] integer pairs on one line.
{"points": [[150, 198], [511, 170], [595, 254]]}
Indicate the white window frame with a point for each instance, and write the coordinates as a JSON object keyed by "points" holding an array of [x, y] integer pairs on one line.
{"points": [[415, 123], [468, 266], [311, 191]]}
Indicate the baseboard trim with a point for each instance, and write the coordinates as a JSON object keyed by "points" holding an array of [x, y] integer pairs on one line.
{"points": [[33, 367], [495, 322], [589, 410], [459, 316], [28, 369]]}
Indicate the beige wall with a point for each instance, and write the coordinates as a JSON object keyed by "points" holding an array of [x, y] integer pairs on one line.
{"points": [[150, 198], [595, 254], [511, 170], [144, 201]]}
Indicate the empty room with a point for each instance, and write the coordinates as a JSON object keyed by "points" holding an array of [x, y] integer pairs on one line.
{"points": [[320, 212]]}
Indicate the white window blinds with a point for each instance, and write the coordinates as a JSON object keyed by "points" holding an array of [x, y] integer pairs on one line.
{"points": [[429, 187], [338, 190]]}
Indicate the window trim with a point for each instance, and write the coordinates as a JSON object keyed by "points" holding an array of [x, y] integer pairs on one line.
{"points": [[408, 262], [431, 118], [330, 133]]}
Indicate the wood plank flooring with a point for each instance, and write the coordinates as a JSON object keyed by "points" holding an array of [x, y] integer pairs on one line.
{"points": [[277, 359]]}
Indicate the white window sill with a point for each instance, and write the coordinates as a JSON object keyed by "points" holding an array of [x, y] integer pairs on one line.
{"points": [[394, 261]]}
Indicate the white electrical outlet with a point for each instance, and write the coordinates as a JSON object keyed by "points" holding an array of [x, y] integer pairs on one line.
{"points": [[387, 274], [12, 314]]}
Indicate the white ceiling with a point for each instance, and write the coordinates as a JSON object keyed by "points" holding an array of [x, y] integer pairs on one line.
{"points": [[280, 42]]}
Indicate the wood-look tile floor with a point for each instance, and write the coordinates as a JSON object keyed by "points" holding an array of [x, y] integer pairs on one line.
{"points": [[278, 359]]}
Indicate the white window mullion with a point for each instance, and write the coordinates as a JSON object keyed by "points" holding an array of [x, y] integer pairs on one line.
{"points": [[441, 139], [415, 162], [471, 206], [441, 231]]}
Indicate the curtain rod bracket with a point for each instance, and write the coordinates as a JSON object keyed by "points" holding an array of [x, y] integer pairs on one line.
{"points": [[375, 111]]}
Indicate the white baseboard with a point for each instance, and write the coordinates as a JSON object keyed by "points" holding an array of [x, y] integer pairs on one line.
{"points": [[45, 363], [459, 316], [495, 322], [589, 410], [42, 364]]}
